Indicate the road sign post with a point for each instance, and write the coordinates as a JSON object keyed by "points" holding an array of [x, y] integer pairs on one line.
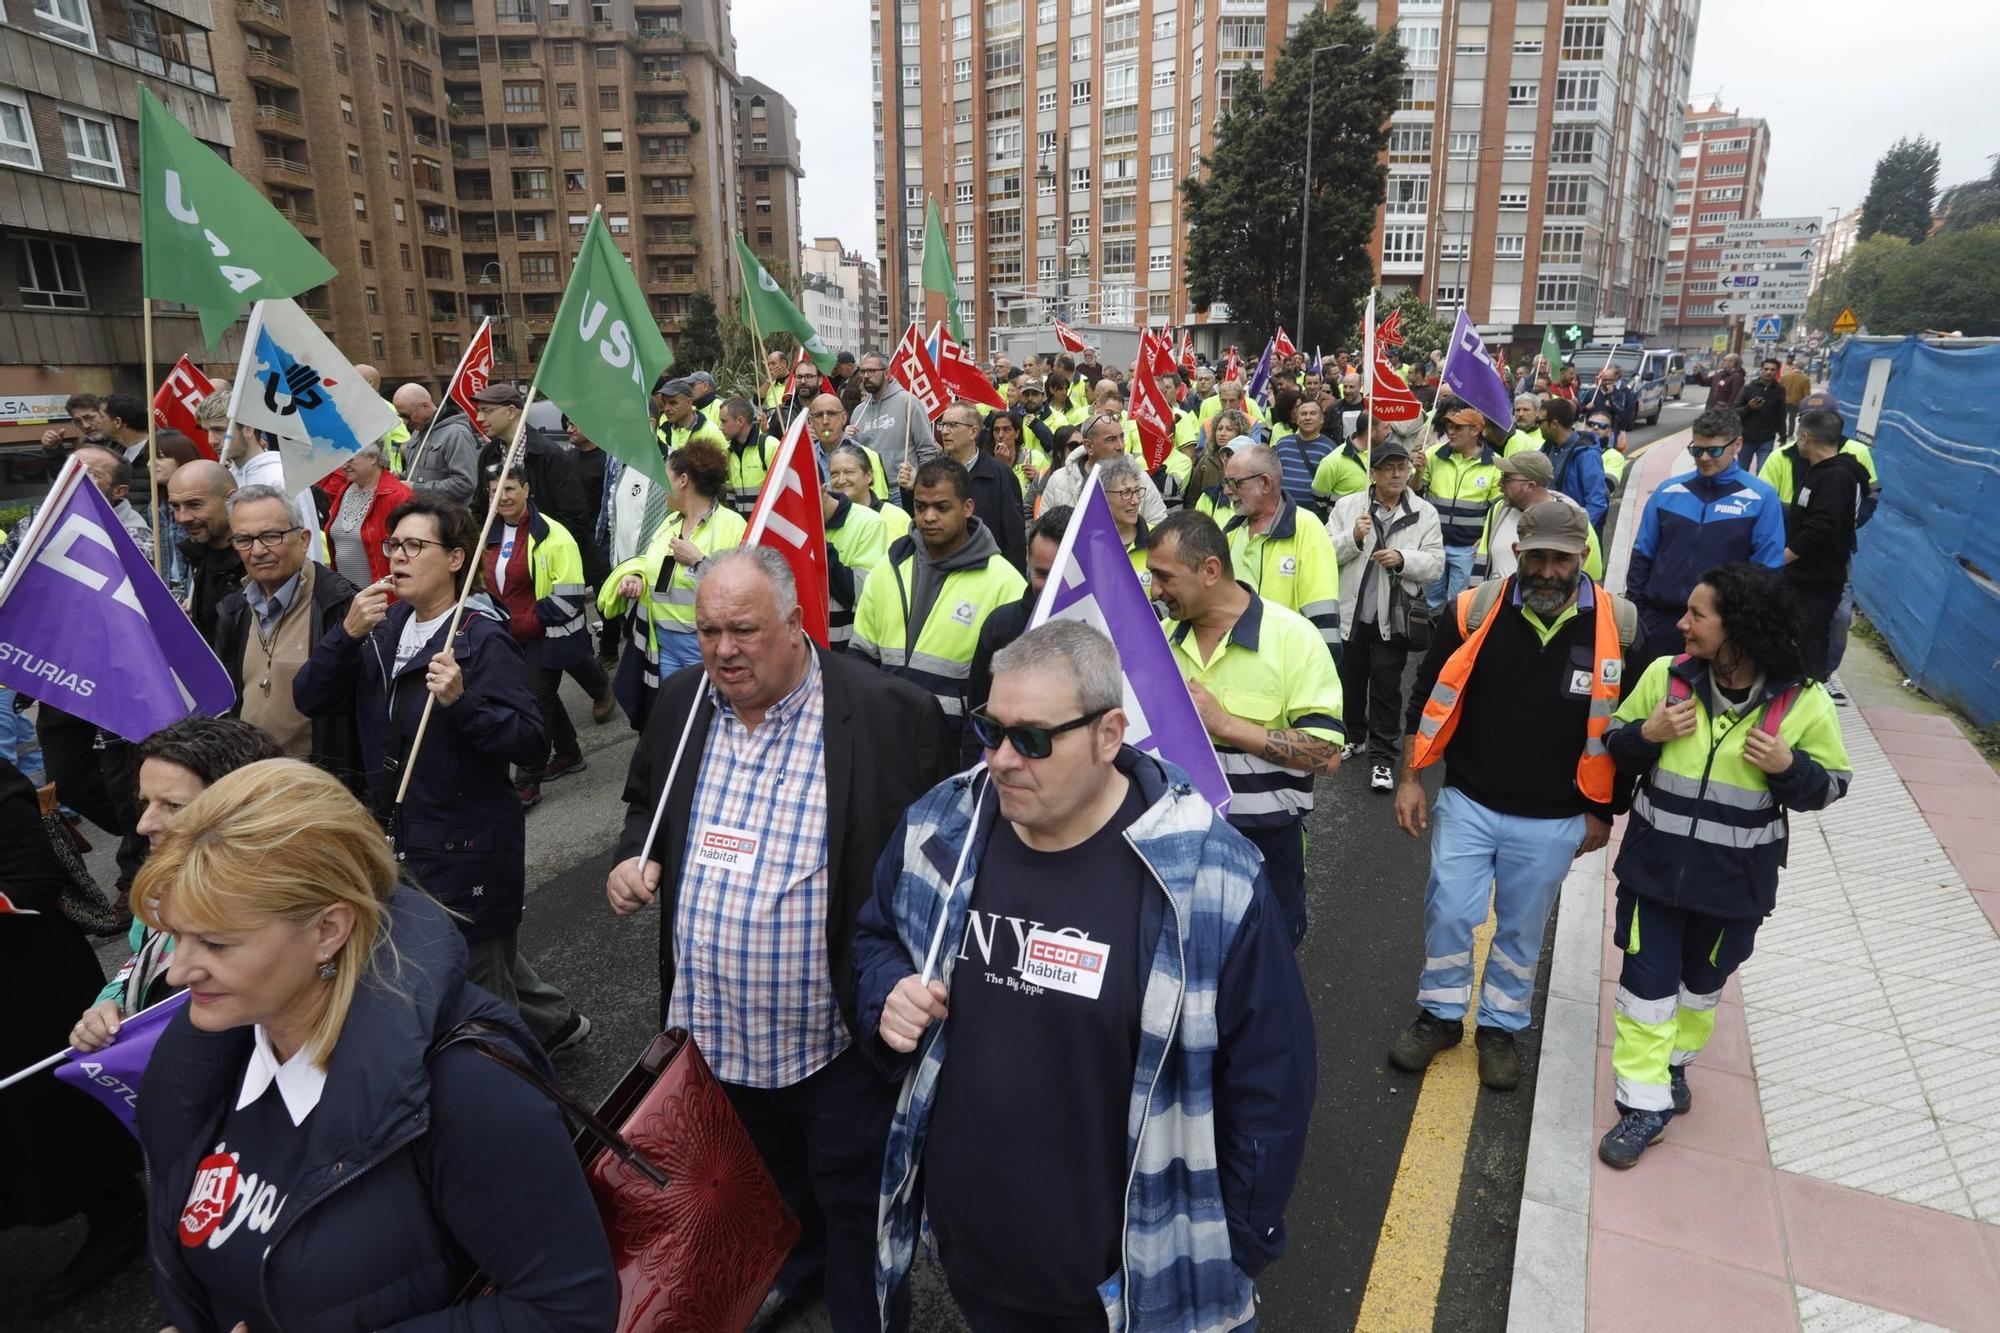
{"points": [[1845, 323]]}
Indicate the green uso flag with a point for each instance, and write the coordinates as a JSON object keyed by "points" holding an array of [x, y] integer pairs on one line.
{"points": [[1552, 351], [604, 354], [210, 238], [939, 275], [767, 309]]}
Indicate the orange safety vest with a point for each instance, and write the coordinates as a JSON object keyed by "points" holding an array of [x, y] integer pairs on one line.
{"points": [[1595, 767]]}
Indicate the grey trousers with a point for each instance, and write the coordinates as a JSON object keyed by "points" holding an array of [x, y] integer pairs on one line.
{"points": [[497, 966]]}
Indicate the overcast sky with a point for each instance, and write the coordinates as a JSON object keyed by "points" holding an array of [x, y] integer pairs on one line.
{"points": [[1838, 80]]}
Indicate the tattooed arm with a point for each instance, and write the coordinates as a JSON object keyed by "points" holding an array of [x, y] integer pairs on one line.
{"points": [[1292, 747]]}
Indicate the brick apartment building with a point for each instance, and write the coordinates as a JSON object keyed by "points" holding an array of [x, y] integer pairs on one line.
{"points": [[1723, 154]]}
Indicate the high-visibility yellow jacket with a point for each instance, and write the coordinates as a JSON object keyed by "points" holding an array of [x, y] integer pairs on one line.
{"points": [[1294, 565], [1462, 488], [669, 596], [857, 540], [936, 653]]}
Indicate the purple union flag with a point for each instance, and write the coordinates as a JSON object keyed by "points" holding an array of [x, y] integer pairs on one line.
{"points": [[87, 626], [1470, 373], [112, 1075]]}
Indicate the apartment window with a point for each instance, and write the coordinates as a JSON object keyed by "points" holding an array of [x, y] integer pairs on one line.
{"points": [[521, 97], [607, 99], [1079, 179], [1519, 145], [1163, 74], [1045, 99], [1576, 147], [1452, 249], [1045, 270], [354, 157], [614, 182], [1121, 255], [1470, 49], [562, 53], [367, 250], [51, 276], [347, 110], [1409, 144], [1003, 61], [1722, 196], [963, 232], [1163, 120], [1162, 166], [1576, 92], [17, 132], [575, 182], [1045, 12], [1683, 197], [1726, 215], [619, 224], [1723, 170], [1510, 247], [1121, 126], [962, 192], [1079, 224], [1121, 84], [1079, 47], [1244, 35], [1583, 39], [1163, 24], [66, 21], [1121, 32], [396, 206], [1079, 92], [913, 34], [1562, 245], [1045, 56], [961, 28], [1568, 197], [1729, 146], [1402, 245], [1523, 94], [1408, 195], [1045, 189], [571, 137], [614, 141], [381, 69], [1557, 293], [579, 223], [1003, 103], [961, 71], [1004, 144], [1531, 47], [1160, 259], [395, 166], [339, 58], [93, 148], [1513, 201], [388, 119], [372, 296], [604, 57], [913, 75], [1420, 43], [538, 268], [361, 205], [409, 301], [1447, 298], [1464, 143], [1419, 93], [913, 196]]}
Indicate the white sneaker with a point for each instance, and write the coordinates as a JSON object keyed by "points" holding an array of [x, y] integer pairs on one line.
{"points": [[1833, 689], [1349, 750], [1381, 778]]}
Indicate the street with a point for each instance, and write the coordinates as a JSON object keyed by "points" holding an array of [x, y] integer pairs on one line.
{"points": [[1415, 1229]]}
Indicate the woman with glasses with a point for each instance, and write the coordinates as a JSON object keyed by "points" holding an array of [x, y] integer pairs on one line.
{"points": [[459, 828], [849, 470], [1125, 487], [362, 494], [1600, 425], [1004, 440], [1219, 438]]}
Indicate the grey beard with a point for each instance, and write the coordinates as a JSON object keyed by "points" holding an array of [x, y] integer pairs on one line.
{"points": [[1546, 602]]}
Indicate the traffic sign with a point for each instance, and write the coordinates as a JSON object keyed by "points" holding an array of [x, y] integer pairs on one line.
{"points": [[1845, 322], [1754, 303], [1813, 342], [1771, 229], [1720, 342], [1768, 328], [1771, 254], [1766, 282]]}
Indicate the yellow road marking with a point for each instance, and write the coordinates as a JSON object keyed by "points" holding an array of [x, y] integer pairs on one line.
{"points": [[1408, 1269]]}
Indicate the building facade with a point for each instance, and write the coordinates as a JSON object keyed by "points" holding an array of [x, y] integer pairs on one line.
{"points": [[1532, 153], [768, 173], [69, 205], [1722, 161], [838, 287]]}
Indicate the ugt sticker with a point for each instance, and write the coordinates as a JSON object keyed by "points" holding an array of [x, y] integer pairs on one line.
{"points": [[214, 1189], [730, 849], [1065, 962]]}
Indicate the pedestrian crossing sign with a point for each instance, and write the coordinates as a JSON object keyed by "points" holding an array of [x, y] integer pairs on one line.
{"points": [[1768, 327]]}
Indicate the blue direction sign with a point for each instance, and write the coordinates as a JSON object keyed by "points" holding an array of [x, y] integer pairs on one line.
{"points": [[1768, 327]]}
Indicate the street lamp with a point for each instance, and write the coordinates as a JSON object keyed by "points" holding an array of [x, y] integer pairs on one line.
{"points": [[506, 304], [1306, 193], [1464, 214], [1059, 185]]}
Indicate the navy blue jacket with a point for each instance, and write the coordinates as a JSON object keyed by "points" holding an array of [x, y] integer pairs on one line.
{"points": [[1694, 523], [415, 1172], [1579, 467], [462, 832]]}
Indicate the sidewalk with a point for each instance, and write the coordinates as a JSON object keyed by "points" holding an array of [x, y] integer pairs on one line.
{"points": [[1840, 1169]]}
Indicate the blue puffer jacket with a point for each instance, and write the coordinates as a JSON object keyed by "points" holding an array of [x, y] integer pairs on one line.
{"points": [[1578, 463], [1226, 1071], [415, 1172], [1694, 523], [462, 833]]}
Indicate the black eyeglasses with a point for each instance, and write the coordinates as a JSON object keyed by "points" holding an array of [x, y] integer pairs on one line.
{"points": [[270, 541], [1028, 742], [1707, 450], [413, 546]]}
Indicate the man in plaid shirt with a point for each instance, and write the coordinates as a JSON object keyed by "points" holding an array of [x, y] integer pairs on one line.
{"points": [[796, 767]]}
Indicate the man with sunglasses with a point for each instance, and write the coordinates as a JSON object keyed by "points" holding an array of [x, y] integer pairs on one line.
{"points": [[1577, 458], [1045, 989], [1715, 515], [1267, 691]]}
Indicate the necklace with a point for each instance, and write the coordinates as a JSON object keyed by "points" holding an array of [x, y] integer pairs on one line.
{"points": [[354, 504]]}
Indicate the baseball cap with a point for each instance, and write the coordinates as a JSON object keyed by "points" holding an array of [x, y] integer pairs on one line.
{"points": [[1532, 464], [677, 388], [499, 395], [1388, 449], [1032, 382], [1468, 416], [1819, 402], [844, 359], [702, 377], [1553, 526]]}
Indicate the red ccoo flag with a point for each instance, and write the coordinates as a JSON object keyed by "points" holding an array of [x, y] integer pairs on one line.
{"points": [[1282, 344], [1187, 351], [1391, 332], [475, 370], [913, 368], [1067, 337], [1390, 398], [962, 375], [1156, 354], [1150, 411], [174, 405], [788, 519], [1232, 366]]}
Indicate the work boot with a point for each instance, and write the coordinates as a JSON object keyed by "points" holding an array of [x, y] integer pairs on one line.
{"points": [[603, 706], [1683, 1099], [1635, 1132], [1418, 1044], [1499, 1062]]}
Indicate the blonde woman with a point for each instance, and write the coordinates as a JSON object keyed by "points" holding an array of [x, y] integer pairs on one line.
{"points": [[311, 1168]]}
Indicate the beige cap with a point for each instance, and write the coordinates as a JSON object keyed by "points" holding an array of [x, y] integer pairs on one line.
{"points": [[1553, 526]]}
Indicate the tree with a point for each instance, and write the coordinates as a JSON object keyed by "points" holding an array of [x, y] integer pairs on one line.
{"points": [[1950, 284], [1900, 195], [1244, 216], [700, 345], [1856, 279], [1975, 203]]}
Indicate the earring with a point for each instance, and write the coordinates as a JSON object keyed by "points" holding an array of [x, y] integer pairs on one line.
{"points": [[327, 971]]}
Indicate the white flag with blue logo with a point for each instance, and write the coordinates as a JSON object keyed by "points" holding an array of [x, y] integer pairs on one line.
{"points": [[294, 383]]}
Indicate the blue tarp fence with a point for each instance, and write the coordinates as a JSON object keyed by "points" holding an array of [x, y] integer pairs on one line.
{"points": [[1928, 571]]}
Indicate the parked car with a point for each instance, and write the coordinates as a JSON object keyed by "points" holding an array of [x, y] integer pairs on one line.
{"points": [[1644, 370]]}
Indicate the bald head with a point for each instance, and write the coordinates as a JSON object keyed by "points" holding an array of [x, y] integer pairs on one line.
{"points": [[414, 402], [198, 493], [826, 417], [372, 375]]}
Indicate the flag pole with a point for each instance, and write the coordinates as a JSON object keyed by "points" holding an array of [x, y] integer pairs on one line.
{"points": [[478, 553], [411, 465], [750, 307], [152, 439]]}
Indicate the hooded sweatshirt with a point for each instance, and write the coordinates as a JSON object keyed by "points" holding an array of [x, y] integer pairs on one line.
{"points": [[927, 575]]}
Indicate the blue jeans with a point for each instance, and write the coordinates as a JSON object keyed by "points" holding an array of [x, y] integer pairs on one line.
{"points": [[1457, 574], [18, 745], [1758, 452], [1520, 863], [1836, 639]]}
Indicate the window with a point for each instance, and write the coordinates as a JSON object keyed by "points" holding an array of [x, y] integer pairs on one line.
{"points": [[1163, 166], [1510, 247], [1576, 147], [1523, 94], [51, 276], [367, 249], [1722, 196], [604, 57], [1079, 47], [339, 58], [538, 268], [1576, 92], [619, 224], [1449, 248], [1121, 84], [572, 139], [1163, 74], [397, 207], [388, 119], [92, 145], [1079, 180], [913, 34], [1160, 259], [1121, 32], [913, 75], [1464, 143], [354, 157], [579, 223], [1163, 120], [607, 99], [1420, 43], [1562, 245], [373, 298], [562, 53], [1729, 146], [1419, 93], [381, 69], [1163, 24], [1003, 61], [1447, 298], [1531, 47], [1557, 293], [1244, 36], [1079, 92], [66, 21], [1723, 170], [1726, 215], [961, 71], [963, 235], [1004, 144], [1402, 245], [1519, 145], [1045, 56], [17, 133], [1583, 39], [1409, 144], [961, 28], [1408, 195], [913, 196], [347, 110], [1568, 197], [614, 141], [1045, 99], [395, 166], [521, 97], [614, 182], [361, 205], [962, 192], [1513, 201], [409, 301]]}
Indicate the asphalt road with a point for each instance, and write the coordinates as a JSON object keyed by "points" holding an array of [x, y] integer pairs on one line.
{"points": [[1360, 962]]}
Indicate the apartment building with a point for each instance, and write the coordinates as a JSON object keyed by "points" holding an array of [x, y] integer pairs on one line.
{"points": [[1531, 155], [768, 173], [1721, 180], [837, 287], [69, 203]]}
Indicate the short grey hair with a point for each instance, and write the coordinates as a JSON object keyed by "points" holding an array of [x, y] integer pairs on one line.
{"points": [[767, 562], [1262, 458], [1526, 400], [1076, 650], [1111, 469], [251, 494]]}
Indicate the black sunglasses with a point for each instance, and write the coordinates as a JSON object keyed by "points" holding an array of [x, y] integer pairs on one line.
{"points": [[1708, 450], [1028, 742]]}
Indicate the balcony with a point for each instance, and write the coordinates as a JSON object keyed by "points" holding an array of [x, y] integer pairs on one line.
{"points": [[665, 81], [533, 110], [299, 215], [278, 121], [444, 317], [263, 16], [659, 39], [291, 166], [270, 67], [665, 122], [677, 206], [520, 66], [533, 192]]}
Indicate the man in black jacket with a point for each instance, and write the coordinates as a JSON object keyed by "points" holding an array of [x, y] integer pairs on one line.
{"points": [[1762, 409], [995, 492], [785, 770], [1010, 622], [198, 493], [1819, 529], [546, 461]]}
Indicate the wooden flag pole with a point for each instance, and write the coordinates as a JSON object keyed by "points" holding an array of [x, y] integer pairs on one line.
{"points": [[756, 332], [152, 435], [410, 463], [478, 553]]}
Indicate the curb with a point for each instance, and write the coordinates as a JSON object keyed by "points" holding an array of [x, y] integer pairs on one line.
{"points": [[1551, 1288]]}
